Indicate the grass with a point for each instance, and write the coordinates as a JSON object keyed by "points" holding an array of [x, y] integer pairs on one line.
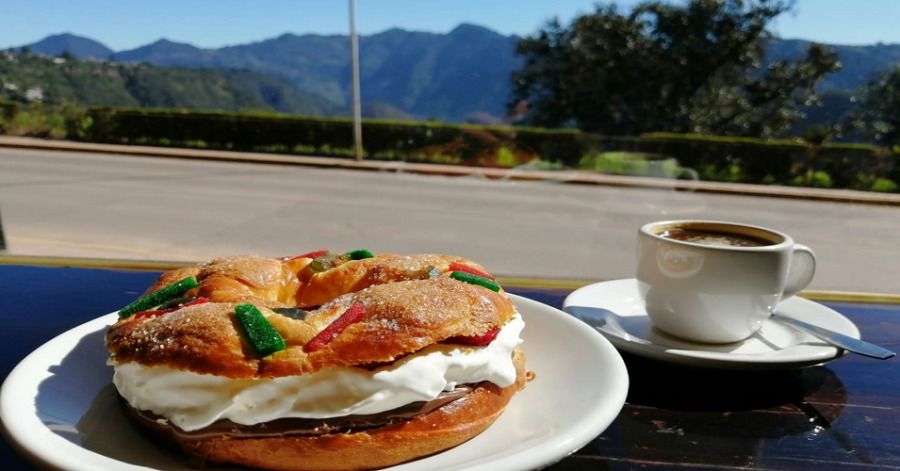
{"points": [[34, 121], [631, 163]]}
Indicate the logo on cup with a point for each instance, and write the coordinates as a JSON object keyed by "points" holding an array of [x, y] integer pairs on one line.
{"points": [[679, 263]]}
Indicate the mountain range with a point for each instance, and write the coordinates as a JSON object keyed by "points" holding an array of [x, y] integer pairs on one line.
{"points": [[405, 74], [56, 80], [859, 64]]}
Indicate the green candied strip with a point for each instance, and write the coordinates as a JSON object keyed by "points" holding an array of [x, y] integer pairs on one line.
{"points": [[264, 338], [330, 260], [475, 280], [359, 254], [326, 262], [158, 297]]}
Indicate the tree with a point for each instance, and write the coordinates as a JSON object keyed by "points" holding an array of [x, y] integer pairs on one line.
{"points": [[664, 67], [878, 115]]}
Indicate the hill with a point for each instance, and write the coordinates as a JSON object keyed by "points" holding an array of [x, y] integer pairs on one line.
{"points": [[78, 46], [459, 76], [427, 75], [453, 77], [29, 77], [859, 64]]}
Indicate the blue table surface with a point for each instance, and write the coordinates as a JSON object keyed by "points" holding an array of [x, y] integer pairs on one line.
{"points": [[840, 415]]}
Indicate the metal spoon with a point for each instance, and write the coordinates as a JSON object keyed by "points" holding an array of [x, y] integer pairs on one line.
{"points": [[599, 317], [848, 343]]}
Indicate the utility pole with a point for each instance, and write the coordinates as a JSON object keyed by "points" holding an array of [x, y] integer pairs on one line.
{"points": [[357, 107]]}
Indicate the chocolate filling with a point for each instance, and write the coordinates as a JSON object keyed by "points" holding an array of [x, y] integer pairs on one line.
{"points": [[296, 426]]}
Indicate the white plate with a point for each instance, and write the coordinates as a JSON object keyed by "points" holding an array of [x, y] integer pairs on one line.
{"points": [[59, 408], [774, 346]]}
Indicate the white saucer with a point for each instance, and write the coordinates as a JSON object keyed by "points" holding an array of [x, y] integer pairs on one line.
{"points": [[59, 408], [774, 346]]}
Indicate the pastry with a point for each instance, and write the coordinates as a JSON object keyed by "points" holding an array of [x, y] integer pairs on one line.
{"points": [[320, 361]]}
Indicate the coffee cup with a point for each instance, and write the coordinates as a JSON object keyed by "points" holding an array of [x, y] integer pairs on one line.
{"points": [[717, 281]]}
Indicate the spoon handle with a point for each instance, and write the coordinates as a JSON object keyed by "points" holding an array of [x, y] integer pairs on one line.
{"points": [[840, 340]]}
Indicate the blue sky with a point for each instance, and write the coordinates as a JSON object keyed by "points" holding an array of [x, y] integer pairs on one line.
{"points": [[125, 24]]}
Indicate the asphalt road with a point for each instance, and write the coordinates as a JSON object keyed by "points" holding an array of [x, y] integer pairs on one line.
{"points": [[101, 205]]}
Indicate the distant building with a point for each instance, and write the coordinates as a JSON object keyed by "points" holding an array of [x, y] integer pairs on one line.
{"points": [[34, 94]]}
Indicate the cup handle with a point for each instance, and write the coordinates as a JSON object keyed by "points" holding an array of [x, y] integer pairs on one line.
{"points": [[803, 267]]}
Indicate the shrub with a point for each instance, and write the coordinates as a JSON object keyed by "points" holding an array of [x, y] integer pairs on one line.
{"points": [[37, 121], [8, 110], [884, 185], [630, 163], [817, 178], [746, 160]]}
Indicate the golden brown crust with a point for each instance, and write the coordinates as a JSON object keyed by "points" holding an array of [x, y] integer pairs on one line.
{"points": [[244, 278], [401, 318], [421, 436], [290, 282], [200, 338], [319, 288]]}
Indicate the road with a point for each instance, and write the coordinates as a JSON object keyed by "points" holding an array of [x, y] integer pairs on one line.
{"points": [[102, 205]]}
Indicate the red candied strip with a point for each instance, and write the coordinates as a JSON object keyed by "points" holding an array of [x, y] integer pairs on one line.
{"points": [[313, 254], [159, 312], [353, 314], [475, 340], [474, 271]]}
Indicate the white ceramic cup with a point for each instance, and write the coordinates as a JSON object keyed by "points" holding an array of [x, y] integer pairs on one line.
{"points": [[704, 289]]}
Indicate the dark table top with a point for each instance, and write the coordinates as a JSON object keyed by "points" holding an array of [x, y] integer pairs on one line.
{"points": [[838, 416]]}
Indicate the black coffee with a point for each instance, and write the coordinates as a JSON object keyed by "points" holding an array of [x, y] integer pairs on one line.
{"points": [[708, 237]]}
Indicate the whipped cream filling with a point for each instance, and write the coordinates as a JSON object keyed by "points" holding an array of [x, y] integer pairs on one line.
{"points": [[192, 401]]}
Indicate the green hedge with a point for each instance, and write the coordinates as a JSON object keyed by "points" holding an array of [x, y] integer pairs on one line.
{"points": [[712, 157], [383, 139], [783, 162], [8, 110], [218, 130]]}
